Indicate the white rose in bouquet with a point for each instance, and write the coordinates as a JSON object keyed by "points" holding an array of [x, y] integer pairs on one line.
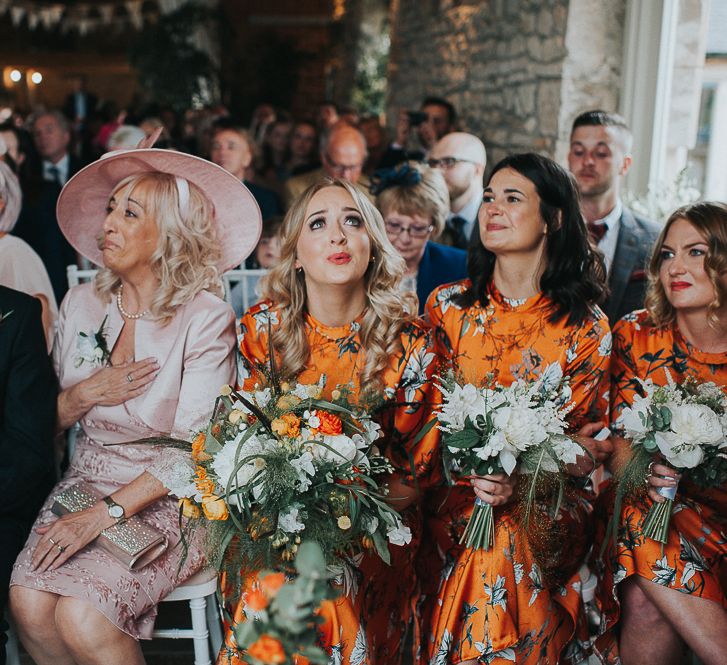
{"points": [[224, 462], [521, 426], [678, 453], [338, 449], [696, 423]]}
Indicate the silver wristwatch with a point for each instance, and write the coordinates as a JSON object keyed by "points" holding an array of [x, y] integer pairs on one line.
{"points": [[116, 511]]}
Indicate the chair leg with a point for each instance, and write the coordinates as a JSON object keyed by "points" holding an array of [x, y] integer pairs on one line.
{"points": [[200, 634], [214, 624]]}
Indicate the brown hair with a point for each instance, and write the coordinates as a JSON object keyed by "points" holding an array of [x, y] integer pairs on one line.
{"points": [[710, 220]]}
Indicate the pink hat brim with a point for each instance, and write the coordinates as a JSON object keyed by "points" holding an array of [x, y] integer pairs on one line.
{"points": [[81, 208]]}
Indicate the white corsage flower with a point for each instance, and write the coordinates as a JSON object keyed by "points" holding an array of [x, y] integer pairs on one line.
{"points": [[92, 348]]}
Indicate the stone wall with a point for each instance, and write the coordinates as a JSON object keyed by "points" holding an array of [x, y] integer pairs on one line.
{"points": [[517, 70]]}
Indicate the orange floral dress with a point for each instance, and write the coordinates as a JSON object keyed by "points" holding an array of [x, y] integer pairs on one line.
{"points": [[377, 619], [695, 558], [494, 606]]}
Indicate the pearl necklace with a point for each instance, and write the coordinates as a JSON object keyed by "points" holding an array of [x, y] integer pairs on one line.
{"points": [[124, 313]]}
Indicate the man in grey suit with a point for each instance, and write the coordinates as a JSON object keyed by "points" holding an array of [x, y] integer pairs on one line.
{"points": [[600, 154]]}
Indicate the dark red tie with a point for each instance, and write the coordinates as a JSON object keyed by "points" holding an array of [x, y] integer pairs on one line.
{"points": [[597, 231]]}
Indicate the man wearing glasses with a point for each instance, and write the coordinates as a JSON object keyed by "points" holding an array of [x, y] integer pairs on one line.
{"points": [[343, 153], [461, 158]]}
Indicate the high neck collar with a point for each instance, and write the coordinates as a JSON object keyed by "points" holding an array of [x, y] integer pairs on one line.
{"points": [[334, 332], [704, 357], [533, 302]]}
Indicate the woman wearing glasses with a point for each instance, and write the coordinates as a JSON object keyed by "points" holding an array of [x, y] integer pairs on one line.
{"points": [[414, 201]]}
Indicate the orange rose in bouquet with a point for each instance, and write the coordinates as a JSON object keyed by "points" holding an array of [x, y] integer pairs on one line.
{"points": [[268, 649], [330, 424]]}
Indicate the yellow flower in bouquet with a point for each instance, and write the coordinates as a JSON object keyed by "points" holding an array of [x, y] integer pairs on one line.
{"points": [[214, 507], [288, 401], [198, 448], [204, 484], [236, 416], [344, 522], [190, 510], [286, 425]]}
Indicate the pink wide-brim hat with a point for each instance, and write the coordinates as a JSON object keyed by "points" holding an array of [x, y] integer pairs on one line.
{"points": [[81, 208]]}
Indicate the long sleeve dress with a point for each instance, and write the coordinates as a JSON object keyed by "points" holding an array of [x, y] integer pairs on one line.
{"points": [[369, 625], [494, 605], [694, 559], [195, 352]]}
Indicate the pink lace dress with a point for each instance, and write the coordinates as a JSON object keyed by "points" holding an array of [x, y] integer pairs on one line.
{"points": [[196, 354]]}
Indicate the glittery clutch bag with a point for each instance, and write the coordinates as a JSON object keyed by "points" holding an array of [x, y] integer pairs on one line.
{"points": [[132, 542]]}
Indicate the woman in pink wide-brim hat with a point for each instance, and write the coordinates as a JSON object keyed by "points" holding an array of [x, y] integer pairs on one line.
{"points": [[140, 352]]}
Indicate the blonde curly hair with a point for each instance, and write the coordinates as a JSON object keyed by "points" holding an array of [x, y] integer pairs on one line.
{"points": [[387, 309], [185, 261], [710, 220]]}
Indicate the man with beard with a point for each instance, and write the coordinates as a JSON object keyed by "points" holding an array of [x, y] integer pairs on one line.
{"points": [[599, 156], [461, 158]]}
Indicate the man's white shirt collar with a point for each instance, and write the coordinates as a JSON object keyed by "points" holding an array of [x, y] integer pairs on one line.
{"points": [[468, 213], [62, 168]]}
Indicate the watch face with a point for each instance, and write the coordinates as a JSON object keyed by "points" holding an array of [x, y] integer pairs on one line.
{"points": [[116, 511]]}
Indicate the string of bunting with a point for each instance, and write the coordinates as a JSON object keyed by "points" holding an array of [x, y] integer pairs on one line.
{"points": [[81, 17]]}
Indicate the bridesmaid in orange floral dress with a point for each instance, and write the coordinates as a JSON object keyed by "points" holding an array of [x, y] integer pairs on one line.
{"points": [[660, 592], [334, 313], [530, 304]]}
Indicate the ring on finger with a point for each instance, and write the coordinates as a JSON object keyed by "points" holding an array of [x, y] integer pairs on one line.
{"points": [[61, 548], [53, 542], [129, 378]]}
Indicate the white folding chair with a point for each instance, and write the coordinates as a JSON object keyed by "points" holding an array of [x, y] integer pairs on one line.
{"points": [[76, 275], [230, 279], [200, 591], [241, 277]]}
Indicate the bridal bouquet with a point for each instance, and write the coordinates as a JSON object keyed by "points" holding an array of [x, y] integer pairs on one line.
{"points": [[685, 425], [278, 465], [498, 429]]}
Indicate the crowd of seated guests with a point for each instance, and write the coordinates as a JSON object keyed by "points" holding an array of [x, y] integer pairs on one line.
{"points": [[275, 154], [422, 187]]}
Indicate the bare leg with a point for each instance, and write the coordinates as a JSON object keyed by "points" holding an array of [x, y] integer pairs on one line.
{"points": [[33, 613], [701, 623], [646, 634], [98, 642]]}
